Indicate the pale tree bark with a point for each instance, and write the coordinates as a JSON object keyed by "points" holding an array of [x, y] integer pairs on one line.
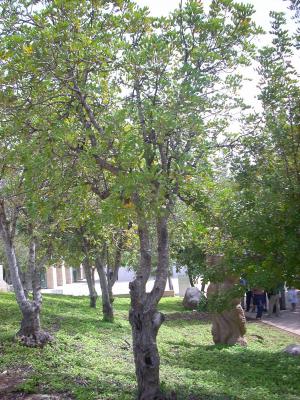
{"points": [[108, 275], [171, 287], [144, 318], [30, 333], [112, 272], [107, 309], [90, 278]]}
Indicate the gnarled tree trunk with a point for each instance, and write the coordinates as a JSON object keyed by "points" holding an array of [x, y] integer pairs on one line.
{"points": [[144, 318], [229, 325], [145, 325]]}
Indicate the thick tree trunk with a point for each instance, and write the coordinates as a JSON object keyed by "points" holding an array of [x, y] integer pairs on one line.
{"points": [[107, 309], [90, 282], [144, 318], [229, 325], [30, 333], [145, 325]]}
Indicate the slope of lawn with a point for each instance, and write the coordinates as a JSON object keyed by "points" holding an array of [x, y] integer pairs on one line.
{"points": [[92, 360]]}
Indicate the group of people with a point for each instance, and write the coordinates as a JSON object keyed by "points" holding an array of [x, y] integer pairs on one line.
{"points": [[257, 297]]}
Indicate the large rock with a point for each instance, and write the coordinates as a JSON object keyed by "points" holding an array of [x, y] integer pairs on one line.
{"points": [[191, 298], [293, 349]]}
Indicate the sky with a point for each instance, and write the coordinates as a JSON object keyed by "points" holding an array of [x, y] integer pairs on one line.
{"points": [[262, 7], [261, 17]]}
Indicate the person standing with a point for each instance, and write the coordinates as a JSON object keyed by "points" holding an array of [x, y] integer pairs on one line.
{"points": [[249, 296], [258, 299], [293, 298]]}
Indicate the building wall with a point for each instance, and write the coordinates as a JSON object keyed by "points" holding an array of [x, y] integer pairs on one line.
{"points": [[3, 284]]}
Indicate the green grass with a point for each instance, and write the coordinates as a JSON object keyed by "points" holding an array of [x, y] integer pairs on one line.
{"points": [[90, 359]]}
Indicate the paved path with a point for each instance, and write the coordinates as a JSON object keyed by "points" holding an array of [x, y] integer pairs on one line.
{"points": [[288, 320]]}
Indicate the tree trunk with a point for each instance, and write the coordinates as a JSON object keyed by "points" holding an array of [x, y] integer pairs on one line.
{"points": [[107, 309], [144, 318], [190, 278], [110, 292], [30, 333], [229, 325], [90, 282], [171, 287], [145, 325], [203, 283], [112, 274]]}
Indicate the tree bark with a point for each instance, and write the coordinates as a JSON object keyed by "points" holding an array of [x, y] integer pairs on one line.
{"points": [[203, 283], [145, 325], [171, 287], [144, 318], [229, 325], [190, 279], [30, 333], [112, 273], [107, 309], [90, 282]]}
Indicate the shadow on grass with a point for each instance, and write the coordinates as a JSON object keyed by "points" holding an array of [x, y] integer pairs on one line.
{"points": [[109, 385], [259, 373], [92, 359]]}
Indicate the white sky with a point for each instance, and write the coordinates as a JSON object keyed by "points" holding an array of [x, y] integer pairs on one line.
{"points": [[262, 7]]}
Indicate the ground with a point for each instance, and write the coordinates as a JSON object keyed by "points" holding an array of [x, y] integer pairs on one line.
{"points": [[92, 360]]}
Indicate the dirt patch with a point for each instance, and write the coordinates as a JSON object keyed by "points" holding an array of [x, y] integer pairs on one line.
{"points": [[11, 379], [188, 316], [23, 396], [56, 324]]}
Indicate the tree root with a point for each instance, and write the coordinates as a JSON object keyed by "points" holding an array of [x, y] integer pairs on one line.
{"points": [[38, 339]]}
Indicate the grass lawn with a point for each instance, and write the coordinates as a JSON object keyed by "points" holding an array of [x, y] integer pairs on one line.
{"points": [[92, 360]]}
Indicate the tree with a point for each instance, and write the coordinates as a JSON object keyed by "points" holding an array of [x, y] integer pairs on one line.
{"points": [[138, 103], [30, 333], [175, 77], [295, 6], [257, 208]]}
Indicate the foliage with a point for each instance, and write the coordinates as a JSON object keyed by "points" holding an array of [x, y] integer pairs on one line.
{"points": [[21, 252], [193, 258], [203, 304], [255, 216], [222, 301]]}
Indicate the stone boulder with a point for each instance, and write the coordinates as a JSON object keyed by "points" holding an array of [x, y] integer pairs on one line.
{"points": [[191, 298], [292, 349]]}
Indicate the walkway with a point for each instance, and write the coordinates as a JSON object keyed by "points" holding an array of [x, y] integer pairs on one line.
{"points": [[288, 320]]}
